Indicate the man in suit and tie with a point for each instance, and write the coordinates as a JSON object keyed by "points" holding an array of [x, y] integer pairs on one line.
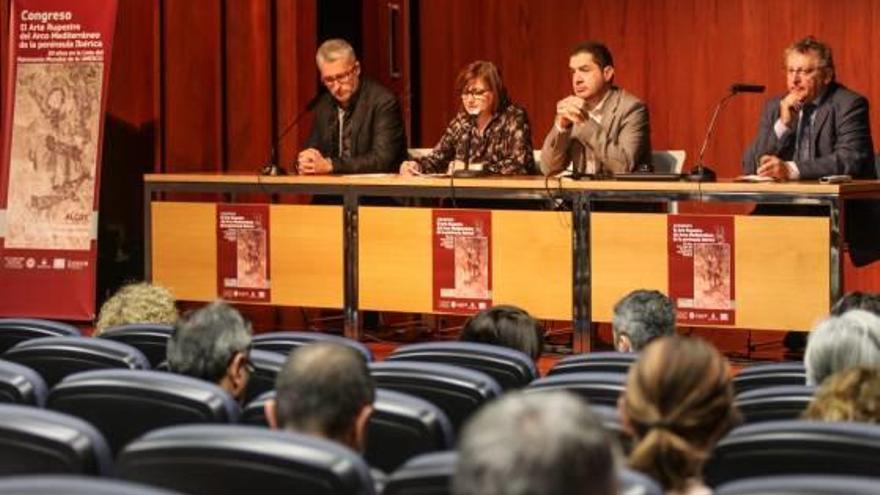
{"points": [[358, 127], [818, 128], [600, 126]]}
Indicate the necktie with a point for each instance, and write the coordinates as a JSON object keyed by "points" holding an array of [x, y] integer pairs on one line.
{"points": [[805, 134]]}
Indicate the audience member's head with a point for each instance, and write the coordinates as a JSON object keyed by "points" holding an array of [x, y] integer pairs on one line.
{"points": [[213, 343], [849, 395], [677, 404], [840, 342], [533, 444], [324, 389], [137, 303], [868, 301], [640, 317], [506, 326]]}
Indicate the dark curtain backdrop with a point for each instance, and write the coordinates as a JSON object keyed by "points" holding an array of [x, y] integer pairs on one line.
{"points": [[205, 85]]}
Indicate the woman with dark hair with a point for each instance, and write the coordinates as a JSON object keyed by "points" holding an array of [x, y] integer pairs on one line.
{"points": [[677, 404], [488, 129], [507, 326]]}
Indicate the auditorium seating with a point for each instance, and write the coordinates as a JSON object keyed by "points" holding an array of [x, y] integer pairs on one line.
{"points": [[610, 418], [802, 485], [795, 447], [427, 474], [56, 357], [21, 385], [596, 388], [770, 374], [605, 362], [254, 412], [457, 391], [74, 485], [266, 365], [125, 404], [401, 427], [34, 440], [150, 338], [773, 403], [234, 460], [284, 342], [509, 367], [15, 330]]}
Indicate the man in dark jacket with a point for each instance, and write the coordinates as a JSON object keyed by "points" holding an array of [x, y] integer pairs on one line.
{"points": [[818, 128], [358, 127]]}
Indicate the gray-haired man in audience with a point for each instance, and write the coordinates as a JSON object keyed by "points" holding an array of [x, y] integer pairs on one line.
{"points": [[213, 343], [535, 444], [640, 317], [324, 389], [841, 342]]}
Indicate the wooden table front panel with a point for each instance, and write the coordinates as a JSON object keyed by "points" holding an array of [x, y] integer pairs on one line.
{"points": [[306, 252], [782, 266], [531, 256]]}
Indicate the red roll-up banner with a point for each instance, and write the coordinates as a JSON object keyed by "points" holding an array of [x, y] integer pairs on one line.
{"points": [[52, 129]]}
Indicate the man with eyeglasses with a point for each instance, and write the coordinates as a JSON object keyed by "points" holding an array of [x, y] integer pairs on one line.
{"points": [[600, 126], [358, 126], [818, 128], [213, 343]]}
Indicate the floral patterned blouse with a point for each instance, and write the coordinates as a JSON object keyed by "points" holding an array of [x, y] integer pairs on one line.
{"points": [[504, 147]]}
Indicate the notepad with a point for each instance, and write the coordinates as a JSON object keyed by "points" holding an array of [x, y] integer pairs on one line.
{"points": [[755, 178]]}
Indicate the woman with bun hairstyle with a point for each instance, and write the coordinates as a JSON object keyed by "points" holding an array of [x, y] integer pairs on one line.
{"points": [[677, 404]]}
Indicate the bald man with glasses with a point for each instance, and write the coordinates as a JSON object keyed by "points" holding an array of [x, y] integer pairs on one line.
{"points": [[358, 126]]}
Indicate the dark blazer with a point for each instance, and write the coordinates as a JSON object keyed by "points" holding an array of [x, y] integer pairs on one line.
{"points": [[378, 138], [842, 143], [841, 137]]}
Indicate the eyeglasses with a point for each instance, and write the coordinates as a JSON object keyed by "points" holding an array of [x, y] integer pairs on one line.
{"points": [[477, 94], [248, 365], [801, 71], [246, 354], [340, 78]]}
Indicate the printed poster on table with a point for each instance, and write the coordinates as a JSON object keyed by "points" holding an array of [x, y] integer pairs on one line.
{"points": [[462, 252], [50, 151], [243, 253], [701, 269]]}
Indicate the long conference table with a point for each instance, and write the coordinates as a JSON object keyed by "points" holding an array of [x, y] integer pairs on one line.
{"points": [[569, 264]]}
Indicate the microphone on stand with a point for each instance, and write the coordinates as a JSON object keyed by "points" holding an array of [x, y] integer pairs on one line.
{"points": [[702, 173], [746, 88], [272, 168], [467, 173]]}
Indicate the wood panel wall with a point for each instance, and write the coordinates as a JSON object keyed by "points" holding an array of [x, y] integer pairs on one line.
{"points": [[680, 56], [193, 87], [234, 74]]}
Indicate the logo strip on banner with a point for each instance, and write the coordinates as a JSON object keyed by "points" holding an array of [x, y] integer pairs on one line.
{"points": [[702, 281], [51, 154], [462, 252], [243, 271]]}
